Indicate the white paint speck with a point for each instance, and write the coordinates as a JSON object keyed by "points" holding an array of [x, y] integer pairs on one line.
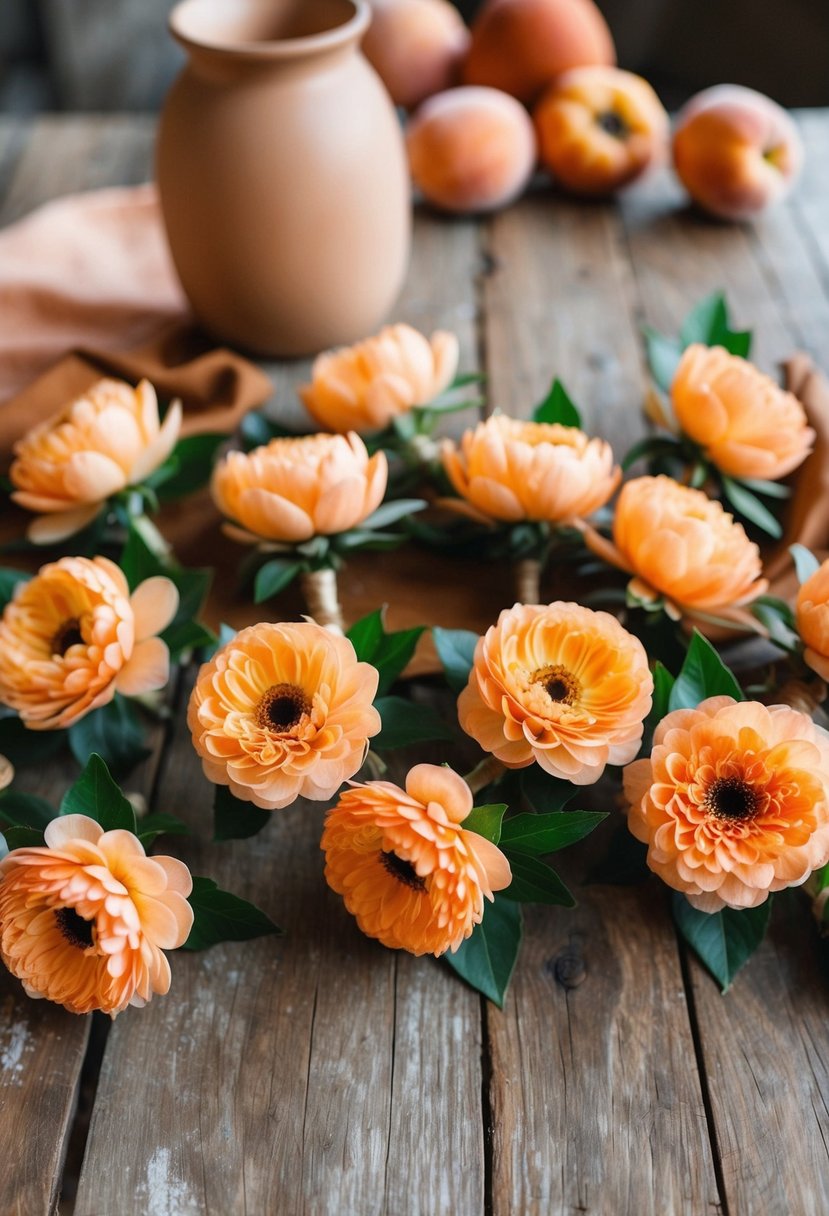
{"points": [[13, 1046], [167, 1195]]}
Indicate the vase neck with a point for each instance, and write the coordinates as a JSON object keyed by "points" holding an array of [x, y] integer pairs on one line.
{"points": [[228, 36]]}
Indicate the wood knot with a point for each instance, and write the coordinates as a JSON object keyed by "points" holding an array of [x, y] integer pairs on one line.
{"points": [[570, 970]]}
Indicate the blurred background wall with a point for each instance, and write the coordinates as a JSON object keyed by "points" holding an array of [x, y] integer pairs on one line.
{"points": [[117, 55]]}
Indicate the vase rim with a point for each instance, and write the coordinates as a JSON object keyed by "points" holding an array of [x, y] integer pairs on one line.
{"points": [[185, 20]]}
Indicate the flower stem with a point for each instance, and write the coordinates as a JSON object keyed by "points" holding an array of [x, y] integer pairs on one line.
{"points": [[319, 587], [484, 773], [528, 580]]}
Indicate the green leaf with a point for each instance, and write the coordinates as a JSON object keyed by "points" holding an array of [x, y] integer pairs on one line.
{"points": [[388, 652], [486, 820], [534, 882], [375, 542], [703, 675], [389, 512], [188, 467], [114, 732], [486, 960], [25, 747], [234, 819], [25, 810], [97, 795], [543, 792], [160, 824], [541, 834], [405, 723], [663, 357], [19, 837], [557, 407], [773, 489], [749, 506], [144, 557], [257, 430], [456, 651], [9, 580], [724, 941], [187, 637], [650, 448], [779, 620], [274, 577], [145, 553], [708, 323], [805, 562], [220, 916]]}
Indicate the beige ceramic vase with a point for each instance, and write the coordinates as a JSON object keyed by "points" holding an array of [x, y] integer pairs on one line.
{"points": [[282, 174]]}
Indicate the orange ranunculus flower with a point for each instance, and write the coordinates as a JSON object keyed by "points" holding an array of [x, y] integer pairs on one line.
{"points": [[733, 802], [293, 489], [812, 614], [561, 685], [404, 865], [282, 712], [74, 636], [84, 920], [107, 440], [679, 543], [513, 470], [746, 424], [362, 388]]}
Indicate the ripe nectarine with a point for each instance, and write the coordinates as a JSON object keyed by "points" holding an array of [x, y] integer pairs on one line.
{"points": [[416, 47]]}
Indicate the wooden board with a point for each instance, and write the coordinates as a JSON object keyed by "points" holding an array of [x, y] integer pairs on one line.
{"points": [[317, 1073]]}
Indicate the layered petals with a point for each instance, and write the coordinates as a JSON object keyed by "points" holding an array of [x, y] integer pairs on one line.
{"points": [[363, 387], [511, 470], [681, 544], [72, 636], [84, 919], [283, 711], [560, 685], [733, 802], [293, 489], [106, 440], [745, 423], [812, 615], [404, 865]]}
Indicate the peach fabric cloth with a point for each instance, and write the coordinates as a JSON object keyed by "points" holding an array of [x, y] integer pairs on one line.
{"points": [[88, 280]]}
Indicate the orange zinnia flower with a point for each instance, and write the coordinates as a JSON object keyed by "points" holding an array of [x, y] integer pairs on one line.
{"points": [[107, 440], [283, 711], [84, 920], [74, 636], [681, 544], [733, 802], [561, 685], [404, 865], [513, 470], [293, 489], [362, 388], [745, 423], [812, 614]]}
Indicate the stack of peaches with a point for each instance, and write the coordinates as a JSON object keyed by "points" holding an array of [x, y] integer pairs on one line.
{"points": [[535, 81]]}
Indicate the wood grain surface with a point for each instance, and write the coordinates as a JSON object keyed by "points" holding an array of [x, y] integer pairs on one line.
{"points": [[316, 1073]]}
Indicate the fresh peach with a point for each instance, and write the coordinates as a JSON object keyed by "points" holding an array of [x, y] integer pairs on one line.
{"points": [[736, 151], [471, 149], [520, 46], [416, 47], [599, 128]]}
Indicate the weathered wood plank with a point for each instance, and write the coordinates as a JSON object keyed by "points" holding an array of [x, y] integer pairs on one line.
{"points": [[812, 191], [765, 1048], [557, 301], [288, 1075]]}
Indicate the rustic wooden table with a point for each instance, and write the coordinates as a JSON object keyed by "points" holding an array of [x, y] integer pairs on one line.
{"points": [[319, 1073]]}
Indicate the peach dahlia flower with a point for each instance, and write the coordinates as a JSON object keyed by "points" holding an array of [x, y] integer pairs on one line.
{"points": [[745, 423], [363, 387], [283, 711], [812, 615], [679, 543], [561, 685], [292, 489], [404, 865], [85, 919], [512, 470], [74, 636], [733, 802], [107, 440]]}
